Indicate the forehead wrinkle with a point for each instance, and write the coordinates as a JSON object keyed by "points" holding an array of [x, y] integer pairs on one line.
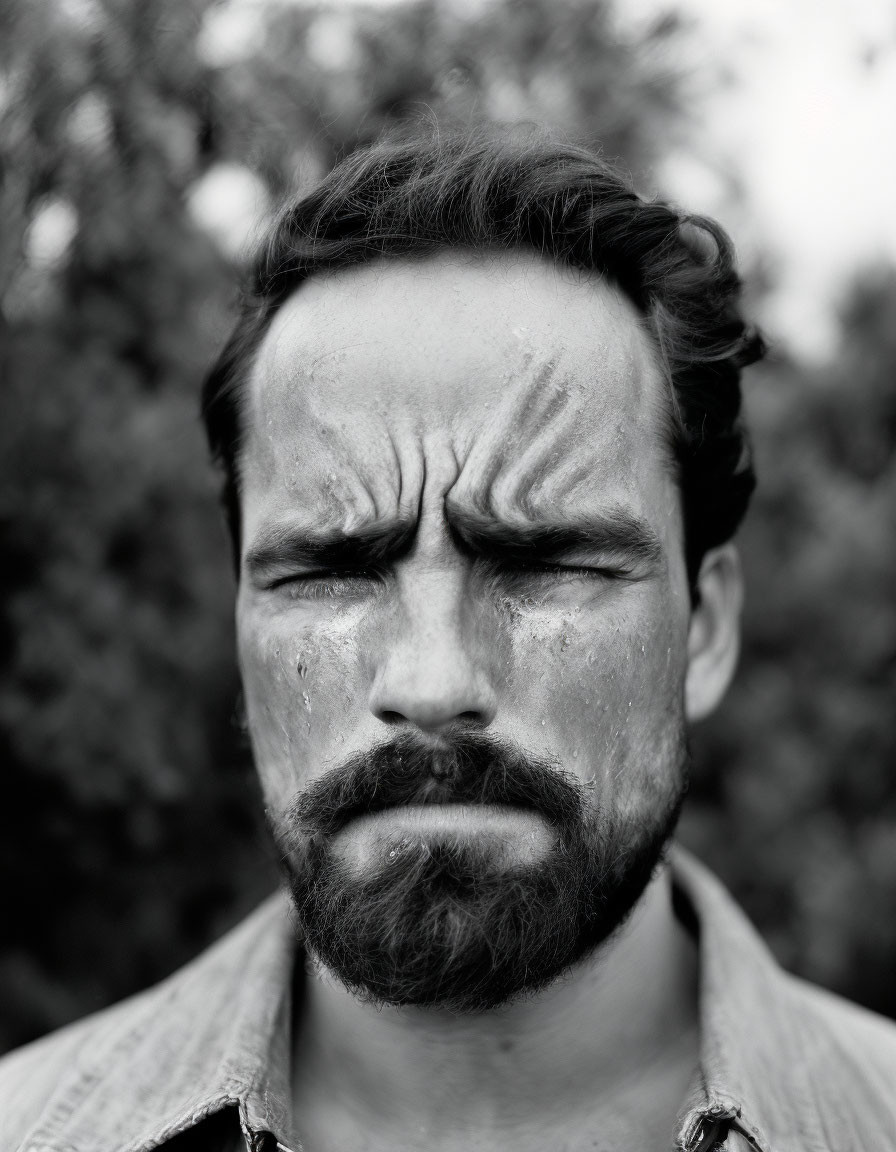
{"points": [[519, 508], [347, 484], [530, 414], [543, 462], [349, 516], [546, 444], [611, 516], [285, 384], [278, 531], [550, 379], [363, 490]]}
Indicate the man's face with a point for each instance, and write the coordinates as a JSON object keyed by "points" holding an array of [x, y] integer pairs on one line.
{"points": [[461, 518]]}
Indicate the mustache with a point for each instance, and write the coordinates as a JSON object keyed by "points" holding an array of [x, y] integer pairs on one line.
{"points": [[468, 768]]}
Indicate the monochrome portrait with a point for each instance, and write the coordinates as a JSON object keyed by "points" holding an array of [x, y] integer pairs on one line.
{"points": [[448, 505]]}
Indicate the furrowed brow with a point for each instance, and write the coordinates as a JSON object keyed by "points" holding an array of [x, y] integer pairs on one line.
{"points": [[617, 533], [283, 546]]}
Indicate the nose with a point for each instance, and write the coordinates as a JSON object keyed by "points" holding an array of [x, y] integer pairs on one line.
{"points": [[435, 668]]}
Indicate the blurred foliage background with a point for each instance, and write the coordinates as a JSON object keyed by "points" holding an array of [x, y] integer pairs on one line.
{"points": [[129, 829]]}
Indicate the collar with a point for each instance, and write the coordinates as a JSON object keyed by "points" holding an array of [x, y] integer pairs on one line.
{"points": [[213, 1036], [752, 1059], [217, 1034]]}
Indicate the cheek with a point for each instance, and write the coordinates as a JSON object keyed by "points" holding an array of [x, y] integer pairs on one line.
{"points": [[602, 686], [297, 679]]}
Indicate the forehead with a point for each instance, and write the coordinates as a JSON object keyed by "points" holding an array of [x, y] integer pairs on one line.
{"points": [[503, 369]]}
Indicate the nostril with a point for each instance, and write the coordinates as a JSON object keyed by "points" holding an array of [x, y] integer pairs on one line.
{"points": [[430, 693], [394, 718], [390, 716]]}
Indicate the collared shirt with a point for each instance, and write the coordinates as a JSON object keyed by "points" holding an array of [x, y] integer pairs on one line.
{"points": [[202, 1060]]}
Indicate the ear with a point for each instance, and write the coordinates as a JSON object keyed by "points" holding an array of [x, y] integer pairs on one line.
{"points": [[714, 636]]}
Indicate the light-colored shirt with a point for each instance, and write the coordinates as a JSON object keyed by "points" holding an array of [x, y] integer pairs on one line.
{"points": [[202, 1060]]}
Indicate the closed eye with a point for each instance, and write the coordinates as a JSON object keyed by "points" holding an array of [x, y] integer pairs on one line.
{"points": [[538, 580], [559, 568], [328, 584]]}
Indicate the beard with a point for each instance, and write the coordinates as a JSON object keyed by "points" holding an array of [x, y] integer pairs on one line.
{"points": [[440, 919]]}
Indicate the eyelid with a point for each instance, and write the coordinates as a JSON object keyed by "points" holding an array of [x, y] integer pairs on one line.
{"points": [[323, 574], [535, 565]]}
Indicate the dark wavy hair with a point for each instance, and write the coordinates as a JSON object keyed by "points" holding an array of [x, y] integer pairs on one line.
{"points": [[419, 191]]}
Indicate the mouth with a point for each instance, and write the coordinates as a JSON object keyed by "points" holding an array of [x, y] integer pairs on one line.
{"points": [[475, 784], [370, 834], [434, 801], [447, 812]]}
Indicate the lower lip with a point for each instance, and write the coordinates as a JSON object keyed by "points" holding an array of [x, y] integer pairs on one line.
{"points": [[526, 834], [449, 815]]}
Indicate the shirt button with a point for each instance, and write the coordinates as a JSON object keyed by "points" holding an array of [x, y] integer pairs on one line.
{"points": [[709, 1135]]}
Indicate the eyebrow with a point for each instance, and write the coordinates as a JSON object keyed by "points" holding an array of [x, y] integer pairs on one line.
{"points": [[286, 546], [616, 532]]}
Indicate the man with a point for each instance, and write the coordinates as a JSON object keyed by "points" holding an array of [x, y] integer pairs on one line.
{"points": [[480, 429]]}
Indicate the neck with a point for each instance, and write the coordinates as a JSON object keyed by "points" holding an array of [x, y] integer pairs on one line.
{"points": [[608, 1032]]}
